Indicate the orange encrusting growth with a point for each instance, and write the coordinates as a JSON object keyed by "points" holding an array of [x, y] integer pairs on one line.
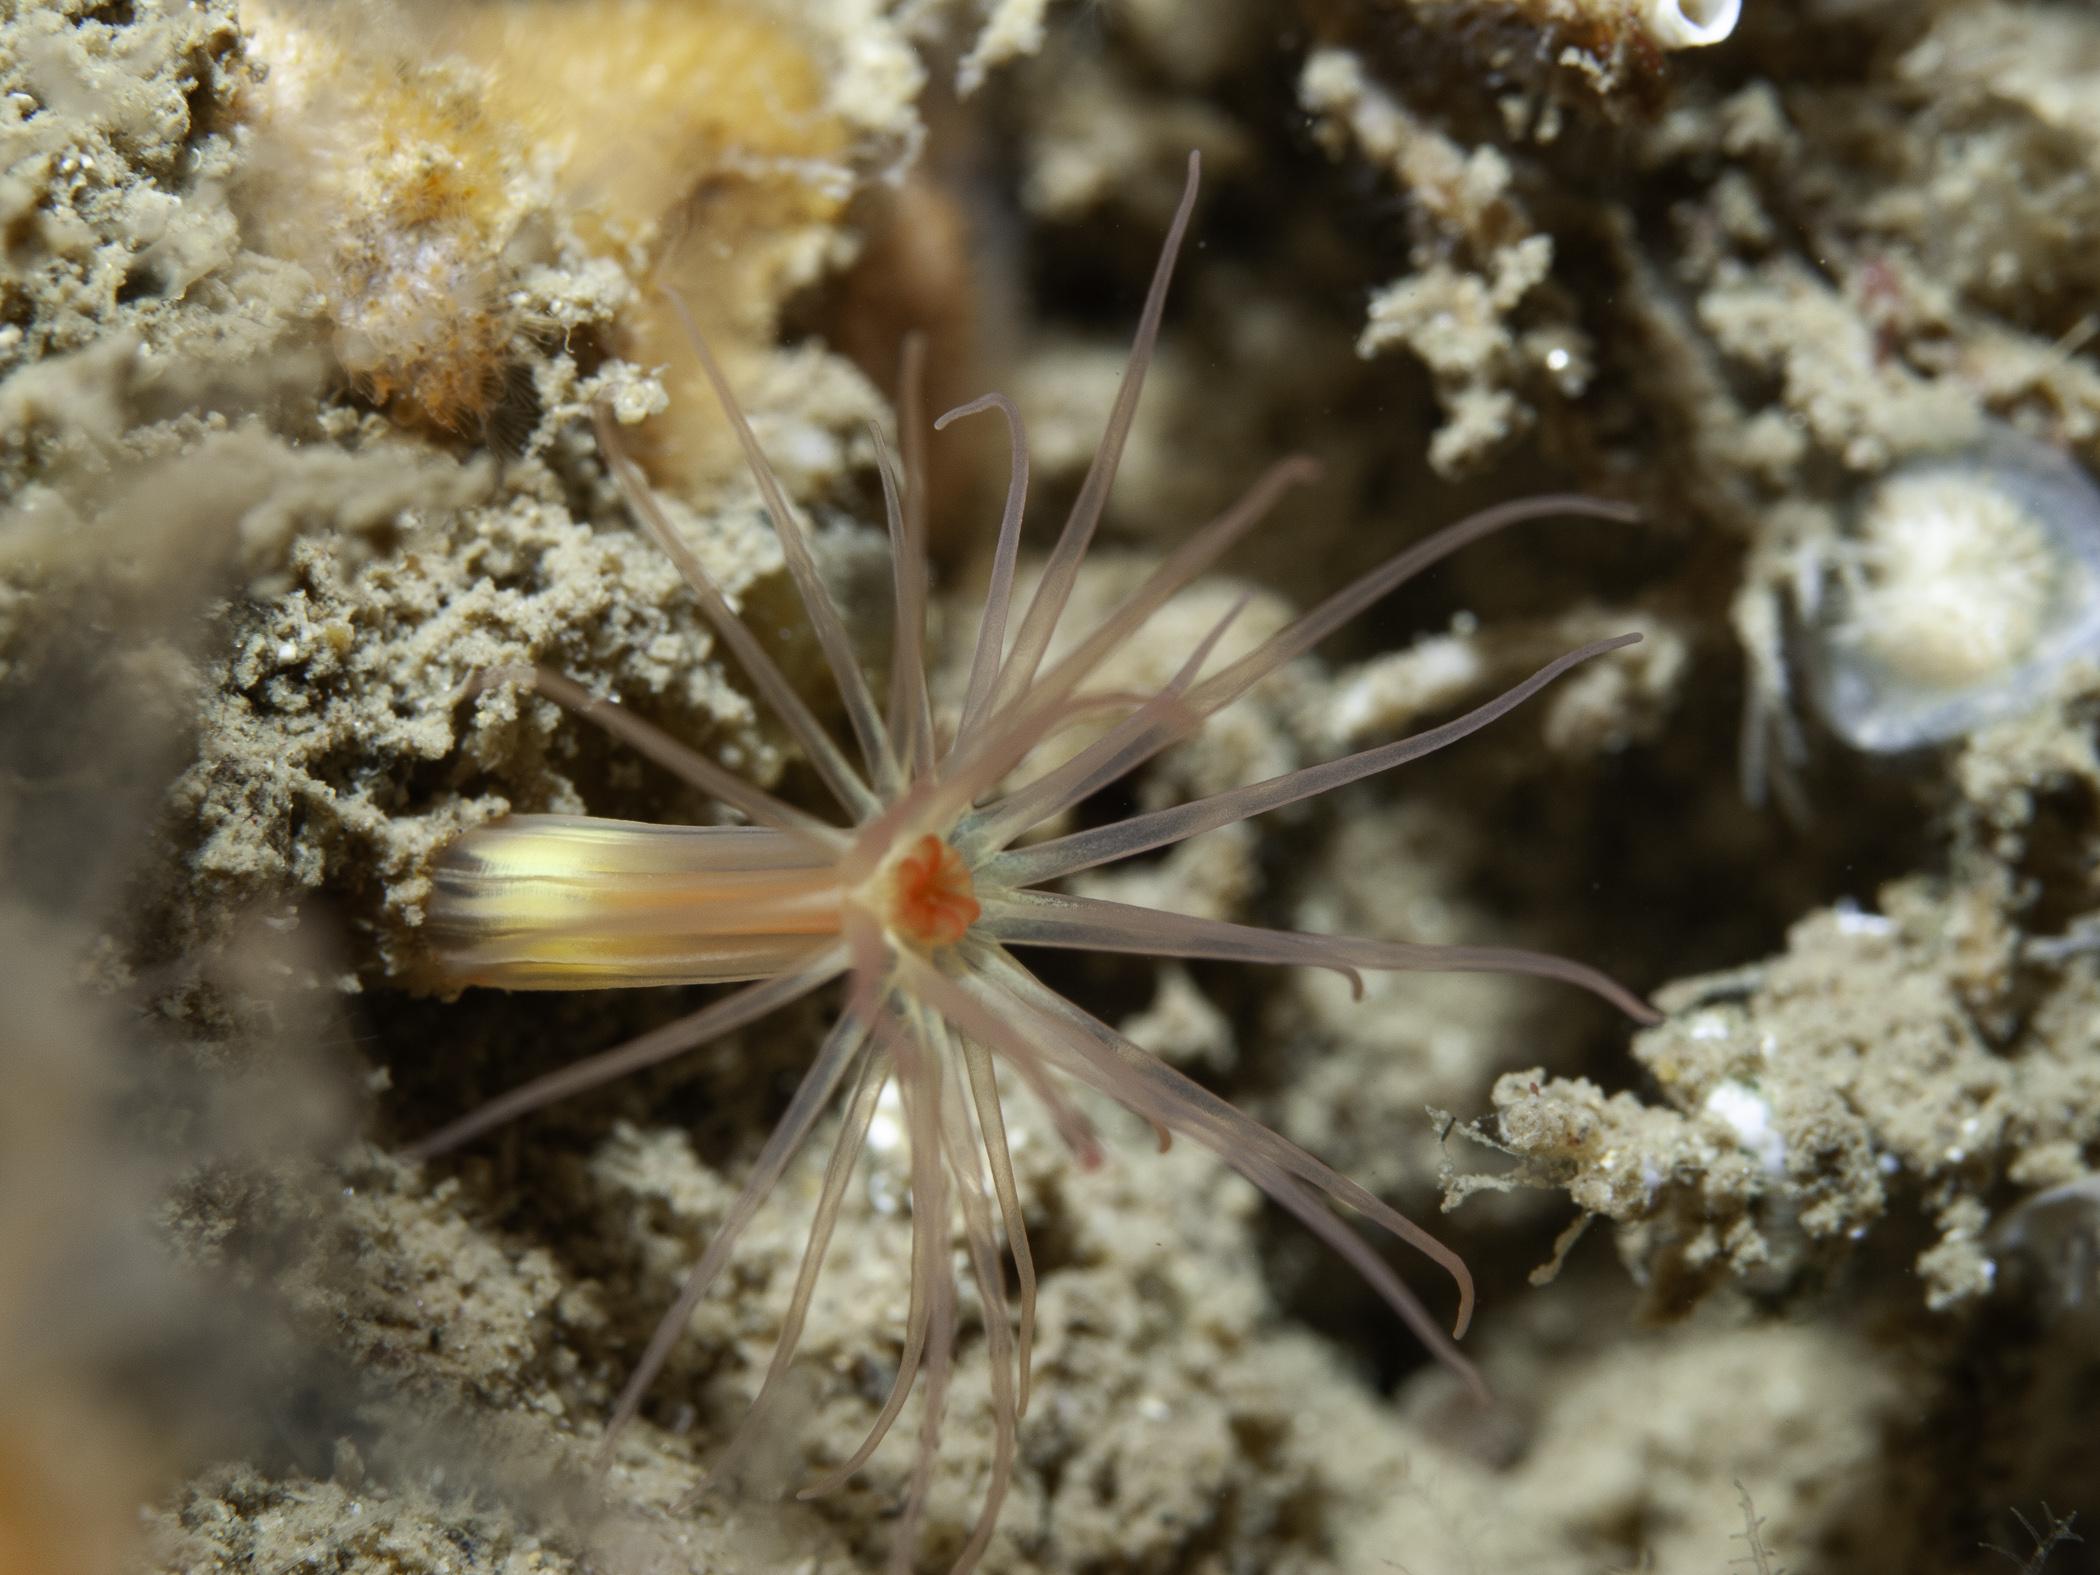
{"points": [[427, 169], [932, 900], [386, 179], [694, 138]]}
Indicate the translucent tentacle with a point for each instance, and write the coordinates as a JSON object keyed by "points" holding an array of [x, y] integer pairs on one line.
{"points": [[928, 1261], [991, 628], [1042, 918], [819, 1083], [961, 1143], [1313, 627], [920, 978], [830, 763], [1101, 845], [991, 1122], [1094, 767], [1302, 1201], [997, 754], [1062, 570], [931, 802], [1011, 732], [838, 1170], [794, 542], [1191, 558], [911, 716], [710, 1022], [1222, 688], [1089, 1049], [907, 674], [918, 1087], [758, 805]]}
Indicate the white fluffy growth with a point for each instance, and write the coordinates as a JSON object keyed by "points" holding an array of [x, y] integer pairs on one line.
{"points": [[1749, 1115], [1952, 580]]}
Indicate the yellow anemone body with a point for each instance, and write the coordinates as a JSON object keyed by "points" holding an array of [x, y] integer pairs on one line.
{"points": [[570, 902]]}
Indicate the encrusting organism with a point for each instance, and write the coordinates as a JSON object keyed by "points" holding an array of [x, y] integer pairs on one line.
{"points": [[916, 902], [469, 185]]}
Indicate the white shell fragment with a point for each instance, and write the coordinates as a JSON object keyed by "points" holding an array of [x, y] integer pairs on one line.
{"points": [[2058, 1234], [1965, 585], [1690, 24]]}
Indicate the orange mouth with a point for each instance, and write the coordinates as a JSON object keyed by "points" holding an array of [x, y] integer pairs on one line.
{"points": [[932, 900]]}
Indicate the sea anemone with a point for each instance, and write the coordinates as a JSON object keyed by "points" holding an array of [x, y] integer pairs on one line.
{"points": [[915, 903], [1968, 582]]}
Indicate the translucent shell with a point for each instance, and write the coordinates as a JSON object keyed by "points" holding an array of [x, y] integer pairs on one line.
{"points": [[1966, 584], [572, 902], [914, 902]]}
